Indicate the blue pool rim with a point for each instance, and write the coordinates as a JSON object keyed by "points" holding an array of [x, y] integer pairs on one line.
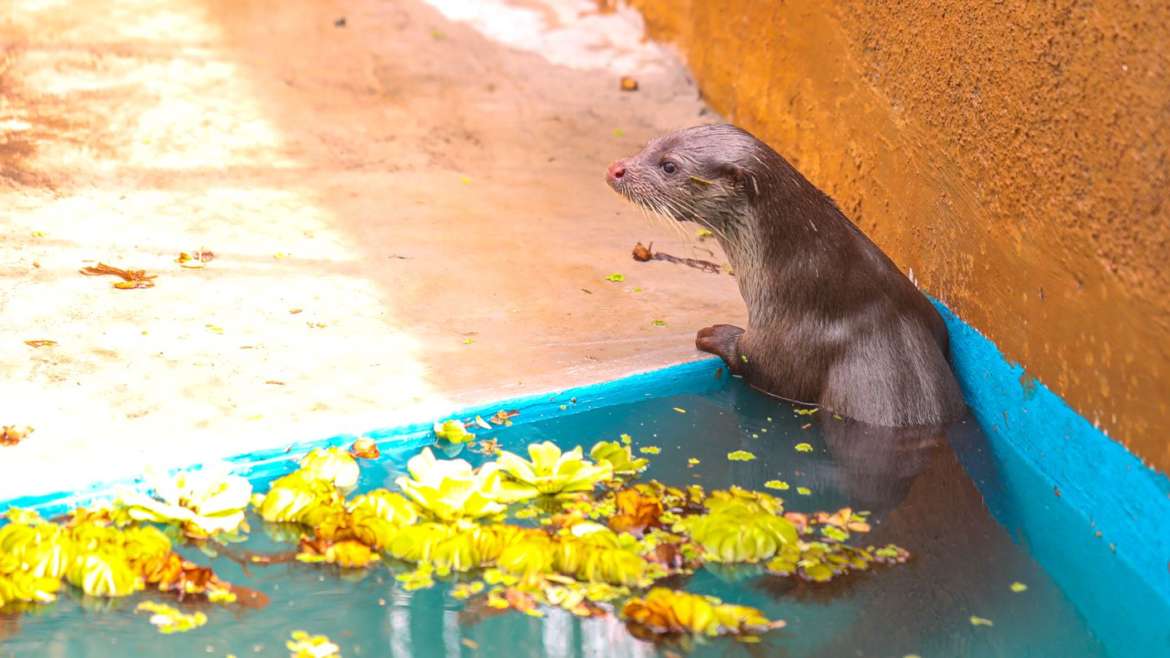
{"points": [[1075, 475]]}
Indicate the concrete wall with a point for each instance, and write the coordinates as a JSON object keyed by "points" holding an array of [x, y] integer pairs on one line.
{"points": [[1014, 156]]}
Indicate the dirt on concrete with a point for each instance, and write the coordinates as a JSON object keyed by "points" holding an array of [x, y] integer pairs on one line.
{"points": [[405, 202]]}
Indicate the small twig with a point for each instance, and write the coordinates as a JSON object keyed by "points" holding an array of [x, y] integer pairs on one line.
{"points": [[643, 253], [130, 278]]}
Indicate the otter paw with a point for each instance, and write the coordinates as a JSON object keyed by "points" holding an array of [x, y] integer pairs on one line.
{"points": [[722, 340]]}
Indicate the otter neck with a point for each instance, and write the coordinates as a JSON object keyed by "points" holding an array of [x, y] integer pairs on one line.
{"points": [[780, 264]]}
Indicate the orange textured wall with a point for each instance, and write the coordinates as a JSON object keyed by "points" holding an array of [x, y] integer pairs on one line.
{"points": [[1015, 156]]}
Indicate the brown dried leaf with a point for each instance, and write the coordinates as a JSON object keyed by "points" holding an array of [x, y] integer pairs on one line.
{"points": [[635, 512], [131, 279], [11, 435], [40, 343], [194, 259], [629, 84], [642, 253], [364, 448], [502, 417]]}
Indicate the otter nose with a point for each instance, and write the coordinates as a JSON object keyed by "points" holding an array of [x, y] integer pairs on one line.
{"points": [[617, 170]]}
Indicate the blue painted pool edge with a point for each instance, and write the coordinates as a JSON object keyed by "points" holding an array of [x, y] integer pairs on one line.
{"points": [[260, 465], [1124, 504]]}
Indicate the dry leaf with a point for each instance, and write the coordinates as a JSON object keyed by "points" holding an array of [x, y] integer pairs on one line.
{"points": [[10, 435], [364, 448], [40, 343], [629, 84], [131, 279], [194, 259]]}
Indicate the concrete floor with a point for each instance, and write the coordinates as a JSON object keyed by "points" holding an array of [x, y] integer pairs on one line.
{"points": [[375, 195]]}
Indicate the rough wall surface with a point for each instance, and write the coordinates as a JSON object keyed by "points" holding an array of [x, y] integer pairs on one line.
{"points": [[1014, 156]]}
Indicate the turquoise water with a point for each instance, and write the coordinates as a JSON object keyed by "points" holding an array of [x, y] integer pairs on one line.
{"points": [[915, 483]]}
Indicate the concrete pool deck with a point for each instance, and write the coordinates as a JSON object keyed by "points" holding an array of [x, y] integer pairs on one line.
{"points": [[406, 209]]}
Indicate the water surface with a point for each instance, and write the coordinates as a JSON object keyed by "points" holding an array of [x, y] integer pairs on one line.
{"points": [[914, 482]]}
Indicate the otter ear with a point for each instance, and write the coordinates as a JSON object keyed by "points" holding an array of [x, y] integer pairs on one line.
{"points": [[742, 179]]}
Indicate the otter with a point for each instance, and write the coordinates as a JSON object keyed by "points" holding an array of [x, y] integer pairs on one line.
{"points": [[832, 321]]}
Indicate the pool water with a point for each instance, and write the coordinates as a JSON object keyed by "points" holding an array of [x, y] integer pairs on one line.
{"points": [[915, 483]]}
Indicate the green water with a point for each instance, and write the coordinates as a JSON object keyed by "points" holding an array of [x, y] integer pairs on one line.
{"points": [[921, 498]]}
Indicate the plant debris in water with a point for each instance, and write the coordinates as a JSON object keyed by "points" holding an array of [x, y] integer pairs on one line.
{"points": [[555, 529], [204, 502], [169, 619], [304, 645], [364, 448], [101, 552]]}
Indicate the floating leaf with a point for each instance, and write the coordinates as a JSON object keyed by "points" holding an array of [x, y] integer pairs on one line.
{"points": [[594, 553], [804, 447], [450, 489], [981, 621], [304, 645], [777, 484], [680, 410], [635, 512], [349, 554], [740, 456], [649, 450], [739, 528], [693, 461], [204, 502], [550, 472], [804, 491], [364, 448], [453, 431], [504, 418], [103, 574], [171, 620], [668, 612], [1018, 587], [618, 456], [332, 465]]}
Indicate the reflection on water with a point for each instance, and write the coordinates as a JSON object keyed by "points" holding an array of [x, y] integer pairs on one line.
{"points": [[913, 481]]}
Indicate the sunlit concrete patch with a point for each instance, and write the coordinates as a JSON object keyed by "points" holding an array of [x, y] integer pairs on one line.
{"points": [[280, 337], [570, 33]]}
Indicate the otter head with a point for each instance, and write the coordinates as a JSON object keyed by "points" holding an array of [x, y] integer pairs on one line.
{"points": [[704, 174]]}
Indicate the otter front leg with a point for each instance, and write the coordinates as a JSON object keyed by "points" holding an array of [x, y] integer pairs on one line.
{"points": [[722, 340]]}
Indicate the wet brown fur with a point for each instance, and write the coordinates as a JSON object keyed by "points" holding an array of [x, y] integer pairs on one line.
{"points": [[831, 319]]}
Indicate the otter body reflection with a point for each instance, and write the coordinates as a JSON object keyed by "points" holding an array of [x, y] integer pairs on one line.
{"points": [[831, 319]]}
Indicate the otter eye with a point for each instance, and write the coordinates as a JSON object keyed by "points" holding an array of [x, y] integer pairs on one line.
{"points": [[669, 167]]}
